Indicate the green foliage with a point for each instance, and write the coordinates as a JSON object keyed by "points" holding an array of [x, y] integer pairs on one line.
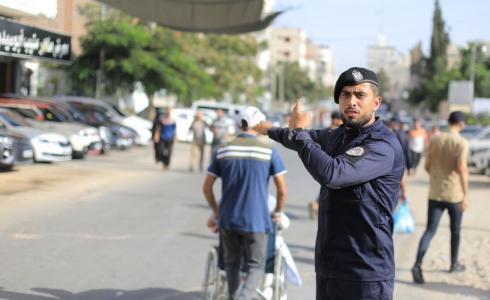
{"points": [[131, 52], [482, 69], [297, 84], [433, 73], [481, 119], [188, 65], [439, 42], [230, 62], [433, 89]]}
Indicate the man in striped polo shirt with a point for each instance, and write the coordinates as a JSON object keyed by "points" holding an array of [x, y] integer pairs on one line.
{"points": [[245, 165]]}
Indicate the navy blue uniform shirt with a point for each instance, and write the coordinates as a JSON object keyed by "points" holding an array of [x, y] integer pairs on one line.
{"points": [[359, 172]]}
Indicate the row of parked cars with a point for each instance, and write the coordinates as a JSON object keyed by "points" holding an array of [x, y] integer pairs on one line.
{"points": [[61, 128]]}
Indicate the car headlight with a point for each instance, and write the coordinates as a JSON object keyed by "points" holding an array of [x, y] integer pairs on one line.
{"points": [[6, 140], [44, 141], [83, 132]]}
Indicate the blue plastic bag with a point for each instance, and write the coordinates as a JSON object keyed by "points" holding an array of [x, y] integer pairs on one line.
{"points": [[403, 219]]}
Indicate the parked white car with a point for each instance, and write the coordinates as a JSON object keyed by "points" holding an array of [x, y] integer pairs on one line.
{"points": [[140, 125], [81, 137], [480, 160], [47, 146], [479, 144]]}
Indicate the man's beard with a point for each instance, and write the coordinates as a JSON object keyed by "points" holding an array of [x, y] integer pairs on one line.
{"points": [[356, 124]]}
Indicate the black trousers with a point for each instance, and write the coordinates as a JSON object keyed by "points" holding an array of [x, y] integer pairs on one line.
{"points": [[436, 208], [163, 151], [338, 289], [416, 156]]}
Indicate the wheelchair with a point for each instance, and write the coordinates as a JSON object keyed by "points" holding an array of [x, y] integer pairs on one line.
{"points": [[214, 285]]}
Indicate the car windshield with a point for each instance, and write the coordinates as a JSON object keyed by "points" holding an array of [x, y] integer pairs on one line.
{"points": [[56, 115], [25, 112], [118, 111], [14, 119], [90, 112]]}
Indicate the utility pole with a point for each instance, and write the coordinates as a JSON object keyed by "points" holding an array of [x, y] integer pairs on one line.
{"points": [[472, 72], [99, 84]]}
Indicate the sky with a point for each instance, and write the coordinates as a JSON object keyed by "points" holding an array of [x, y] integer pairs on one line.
{"points": [[45, 7], [349, 27]]}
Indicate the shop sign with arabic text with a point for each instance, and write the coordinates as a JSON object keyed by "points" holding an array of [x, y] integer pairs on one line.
{"points": [[26, 41]]}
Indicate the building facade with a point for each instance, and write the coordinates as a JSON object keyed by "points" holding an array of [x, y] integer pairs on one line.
{"points": [[42, 31], [384, 58]]}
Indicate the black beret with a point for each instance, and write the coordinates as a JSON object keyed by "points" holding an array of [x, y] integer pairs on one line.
{"points": [[354, 76]]}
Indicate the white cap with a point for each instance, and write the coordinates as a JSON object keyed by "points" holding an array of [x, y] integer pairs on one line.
{"points": [[252, 115]]}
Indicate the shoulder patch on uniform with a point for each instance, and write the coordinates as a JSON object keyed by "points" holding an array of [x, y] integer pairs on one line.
{"points": [[356, 151]]}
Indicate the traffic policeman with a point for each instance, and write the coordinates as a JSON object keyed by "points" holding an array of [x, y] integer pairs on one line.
{"points": [[359, 166]]}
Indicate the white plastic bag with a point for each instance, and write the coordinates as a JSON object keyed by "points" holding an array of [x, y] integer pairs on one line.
{"points": [[403, 219]]}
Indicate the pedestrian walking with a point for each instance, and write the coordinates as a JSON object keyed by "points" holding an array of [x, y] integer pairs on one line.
{"points": [[395, 125], [198, 128], [220, 129], [165, 137], [156, 121], [359, 166], [418, 139], [245, 165], [448, 189]]}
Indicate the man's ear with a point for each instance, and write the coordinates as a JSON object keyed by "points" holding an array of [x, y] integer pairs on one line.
{"points": [[377, 102]]}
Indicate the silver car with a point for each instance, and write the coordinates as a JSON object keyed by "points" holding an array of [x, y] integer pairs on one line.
{"points": [[47, 146]]}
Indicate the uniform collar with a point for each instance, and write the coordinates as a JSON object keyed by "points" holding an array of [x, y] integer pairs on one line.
{"points": [[364, 130]]}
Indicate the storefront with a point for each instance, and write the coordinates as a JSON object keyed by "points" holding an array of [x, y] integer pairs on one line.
{"points": [[22, 47]]}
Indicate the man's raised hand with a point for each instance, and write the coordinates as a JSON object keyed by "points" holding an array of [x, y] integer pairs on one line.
{"points": [[299, 118]]}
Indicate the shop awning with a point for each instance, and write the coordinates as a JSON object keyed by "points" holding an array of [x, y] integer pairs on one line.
{"points": [[208, 16]]}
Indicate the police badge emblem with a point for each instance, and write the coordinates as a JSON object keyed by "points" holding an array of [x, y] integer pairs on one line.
{"points": [[356, 151], [357, 75]]}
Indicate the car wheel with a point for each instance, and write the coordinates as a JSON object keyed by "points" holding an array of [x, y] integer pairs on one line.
{"points": [[78, 154], [6, 167]]}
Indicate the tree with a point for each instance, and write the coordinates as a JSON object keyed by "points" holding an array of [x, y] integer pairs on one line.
{"points": [[438, 44], [433, 74], [128, 51], [230, 62], [482, 68]]}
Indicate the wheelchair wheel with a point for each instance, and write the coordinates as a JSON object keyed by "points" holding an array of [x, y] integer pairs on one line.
{"points": [[210, 284], [279, 285]]}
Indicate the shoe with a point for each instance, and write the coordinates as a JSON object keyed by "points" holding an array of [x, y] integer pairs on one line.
{"points": [[417, 274], [457, 267]]}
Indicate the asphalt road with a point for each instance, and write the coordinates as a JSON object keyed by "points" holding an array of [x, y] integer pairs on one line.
{"points": [[119, 227]]}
